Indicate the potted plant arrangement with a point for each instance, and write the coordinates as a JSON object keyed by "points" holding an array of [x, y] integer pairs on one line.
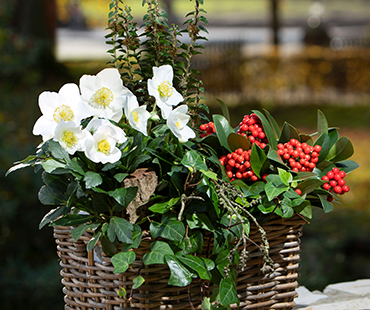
{"points": [[156, 206]]}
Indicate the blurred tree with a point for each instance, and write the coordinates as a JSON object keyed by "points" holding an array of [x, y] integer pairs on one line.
{"points": [[275, 21], [172, 19]]}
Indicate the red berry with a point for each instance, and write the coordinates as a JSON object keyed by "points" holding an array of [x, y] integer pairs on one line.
{"points": [[326, 186], [254, 178], [330, 174], [325, 178], [345, 188], [317, 148], [337, 177], [280, 146], [342, 174], [335, 170], [337, 189], [229, 174], [239, 176], [333, 183], [341, 182], [298, 191], [203, 127], [330, 198], [231, 162]]}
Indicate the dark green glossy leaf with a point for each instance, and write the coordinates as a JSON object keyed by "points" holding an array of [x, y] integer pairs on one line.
{"points": [[236, 141], [324, 142], [322, 123], [53, 214], [93, 241], [58, 152], [224, 109], [274, 186], [51, 165], [200, 265], [267, 129], [120, 176], [288, 132], [259, 160], [170, 229], [180, 275], [136, 239], [77, 232], [326, 205], [253, 190], [223, 130], [309, 185], [194, 161], [124, 195], [341, 150], [273, 124], [163, 207], [122, 261], [158, 249], [73, 220], [192, 243]]}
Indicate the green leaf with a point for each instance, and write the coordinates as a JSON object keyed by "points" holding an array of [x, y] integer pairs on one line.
{"points": [[137, 282], [170, 229], [223, 130], [199, 220], [206, 304], [53, 214], [158, 249], [50, 165], [124, 195], [341, 150], [180, 275], [75, 166], [274, 186], [288, 132], [73, 220], [224, 109], [236, 141], [273, 123], [326, 205], [121, 228], [92, 179], [93, 241], [347, 165], [253, 190], [194, 161], [122, 261], [137, 234], [163, 207], [77, 232], [309, 185], [120, 176], [324, 142], [58, 152], [200, 265], [285, 176], [227, 293], [322, 123], [192, 243], [209, 174], [259, 161], [267, 129]]}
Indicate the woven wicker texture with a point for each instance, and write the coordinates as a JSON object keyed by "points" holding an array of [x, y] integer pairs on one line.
{"points": [[89, 281]]}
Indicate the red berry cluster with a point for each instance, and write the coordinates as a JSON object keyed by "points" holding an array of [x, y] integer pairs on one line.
{"points": [[334, 181], [208, 129], [238, 165], [299, 156], [251, 127]]}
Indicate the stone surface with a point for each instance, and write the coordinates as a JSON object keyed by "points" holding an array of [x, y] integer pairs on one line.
{"points": [[305, 297], [359, 287], [352, 304]]}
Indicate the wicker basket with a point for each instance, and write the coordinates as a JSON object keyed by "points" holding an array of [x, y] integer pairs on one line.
{"points": [[89, 281]]}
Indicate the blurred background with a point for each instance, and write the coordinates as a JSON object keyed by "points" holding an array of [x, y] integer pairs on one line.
{"points": [[291, 57]]}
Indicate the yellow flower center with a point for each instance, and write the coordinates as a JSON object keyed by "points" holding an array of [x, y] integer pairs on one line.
{"points": [[69, 138], [178, 125], [103, 97], [165, 89], [104, 147], [64, 113], [136, 116]]}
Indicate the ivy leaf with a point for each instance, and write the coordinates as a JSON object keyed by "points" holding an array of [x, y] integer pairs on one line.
{"points": [[124, 195], [274, 186], [170, 229], [192, 243], [285, 176], [122, 261], [77, 232], [136, 236], [193, 161], [92, 179], [180, 275], [200, 265], [120, 176], [163, 207], [158, 250], [121, 228], [206, 304], [227, 292], [137, 282]]}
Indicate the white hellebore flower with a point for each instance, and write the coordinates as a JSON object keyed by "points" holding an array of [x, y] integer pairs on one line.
{"points": [[55, 107], [177, 121], [70, 136], [104, 93], [96, 123], [160, 87], [101, 145], [137, 116]]}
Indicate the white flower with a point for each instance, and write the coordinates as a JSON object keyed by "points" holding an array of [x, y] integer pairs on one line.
{"points": [[70, 136], [177, 121], [137, 116], [104, 93], [100, 147], [160, 87], [96, 123], [63, 106]]}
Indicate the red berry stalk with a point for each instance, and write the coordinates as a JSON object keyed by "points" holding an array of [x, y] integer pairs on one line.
{"points": [[299, 156], [251, 127], [334, 181], [238, 166], [207, 129]]}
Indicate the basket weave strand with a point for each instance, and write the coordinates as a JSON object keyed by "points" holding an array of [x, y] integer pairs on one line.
{"points": [[89, 281]]}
